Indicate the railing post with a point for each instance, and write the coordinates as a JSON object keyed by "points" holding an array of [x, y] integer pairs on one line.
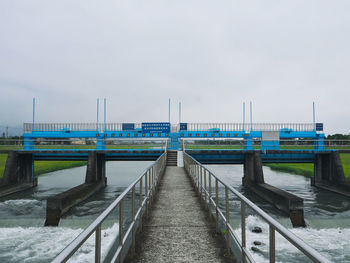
{"points": [[209, 205], [227, 221], [141, 200], [272, 245], [98, 244], [205, 187], [217, 205], [134, 221], [121, 230], [146, 192], [243, 231], [201, 180]]}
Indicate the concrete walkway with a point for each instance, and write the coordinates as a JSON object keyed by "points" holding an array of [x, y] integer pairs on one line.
{"points": [[178, 229]]}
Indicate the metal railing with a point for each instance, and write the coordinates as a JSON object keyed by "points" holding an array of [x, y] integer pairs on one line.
{"points": [[205, 182], [250, 127], [100, 127], [146, 183]]}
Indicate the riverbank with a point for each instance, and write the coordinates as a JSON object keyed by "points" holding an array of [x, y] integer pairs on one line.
{"points": [[42, 167], [307, 169]]}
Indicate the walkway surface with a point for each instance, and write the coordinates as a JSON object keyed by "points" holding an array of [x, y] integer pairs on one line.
{"points": [[178, 229]]}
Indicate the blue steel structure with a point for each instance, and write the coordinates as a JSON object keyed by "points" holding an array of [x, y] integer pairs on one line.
{"points": [[174, 133]]}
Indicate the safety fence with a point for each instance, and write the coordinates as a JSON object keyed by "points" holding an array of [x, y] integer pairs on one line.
{"points": [[132, 204], [209, 186], [101, 127]]}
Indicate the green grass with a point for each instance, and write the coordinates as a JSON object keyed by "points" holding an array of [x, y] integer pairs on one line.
{"points": [[307, 169], [42, 167], [82, 147], [3, 158]]}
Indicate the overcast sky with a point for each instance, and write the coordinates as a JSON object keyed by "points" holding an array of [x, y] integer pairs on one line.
{"points": [[210, 55]]}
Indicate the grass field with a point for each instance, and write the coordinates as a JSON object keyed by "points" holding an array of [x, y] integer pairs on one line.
{"points": [[42, 167], [82, 147], [307, 169]]}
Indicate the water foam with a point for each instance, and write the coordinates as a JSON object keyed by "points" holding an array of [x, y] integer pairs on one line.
{"points": [[22, 207], [333, 243], [42, 244]]}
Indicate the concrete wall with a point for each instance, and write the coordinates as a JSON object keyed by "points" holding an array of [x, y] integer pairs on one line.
{"points": [[284, 201], [329, 173], [18, 174], [95, 179]]}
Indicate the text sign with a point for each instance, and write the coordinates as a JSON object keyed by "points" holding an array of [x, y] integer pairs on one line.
{"points": [[128, 126], [163, 127], [183, 126], [319, 126]]}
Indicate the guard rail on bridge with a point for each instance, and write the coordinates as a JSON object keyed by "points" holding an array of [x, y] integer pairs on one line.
{"points": [[100, 127], [207, 185], [145, 184]]}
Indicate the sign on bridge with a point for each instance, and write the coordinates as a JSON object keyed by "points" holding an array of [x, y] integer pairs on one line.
{"points": [[163, 127], [128, 126]]}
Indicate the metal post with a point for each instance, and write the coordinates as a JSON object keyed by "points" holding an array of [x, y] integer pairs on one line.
{"points": [[98, 244], [243, 231], [217, 205], [98, 108], [33, 114], [179, 112], [244, 116], [134, 220], [227, 221], [141, 200], [104, 113], [121, 229], [146, 192], [251, 116], [209, 178], [169, 111], [272, 245], [313, 110], [201, 180], [205, 187]]}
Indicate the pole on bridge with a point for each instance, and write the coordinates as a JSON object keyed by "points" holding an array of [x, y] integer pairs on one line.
{"points": [[179, 112], [169, 112], [104, 117], [313, 109], [243, 116], [33, 114], [98, 106], [251, 116]]}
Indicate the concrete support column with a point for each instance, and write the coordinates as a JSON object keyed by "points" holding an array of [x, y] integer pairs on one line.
{"points": [[253, 171], [96, 168], [329, 173]]}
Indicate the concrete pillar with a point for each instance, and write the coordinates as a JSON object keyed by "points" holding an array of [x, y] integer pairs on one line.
{"points": [[95, 180], [253, 171], [96, 168], [18, 169], [329, 173], [284, 201]]}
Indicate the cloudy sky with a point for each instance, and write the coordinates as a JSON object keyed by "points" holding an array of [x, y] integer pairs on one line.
{"points": [[210, 55]]}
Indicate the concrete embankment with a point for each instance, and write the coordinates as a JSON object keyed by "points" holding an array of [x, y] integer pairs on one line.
{"points": [[18, 174], [95, 180], [254, 179]]}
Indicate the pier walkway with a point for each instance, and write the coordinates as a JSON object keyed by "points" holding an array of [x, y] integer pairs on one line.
{"points": [[178, 229]]}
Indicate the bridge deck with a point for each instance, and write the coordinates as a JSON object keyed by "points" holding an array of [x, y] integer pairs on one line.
{"points": [[178, 229]]}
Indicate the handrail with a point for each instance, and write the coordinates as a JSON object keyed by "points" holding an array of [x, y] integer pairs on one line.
{"points": [[100, 127], [199, 174], [151, 178]]}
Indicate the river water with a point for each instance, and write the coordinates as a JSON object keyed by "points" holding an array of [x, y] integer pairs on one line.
{"points": [[327, 216], [22, 235], [24, 239]]}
